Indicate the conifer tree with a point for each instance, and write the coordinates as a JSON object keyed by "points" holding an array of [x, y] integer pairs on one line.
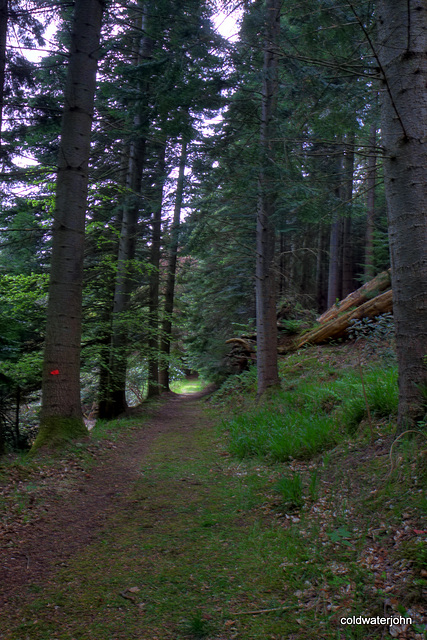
{"points": [[268, 375], [61, 416], [402, 43]]}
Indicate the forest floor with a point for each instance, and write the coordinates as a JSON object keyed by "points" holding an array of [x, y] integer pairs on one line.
{"points": [[152, 531]]}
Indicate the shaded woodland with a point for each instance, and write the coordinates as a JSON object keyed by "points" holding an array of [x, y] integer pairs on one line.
{"points": [[176, 189]]}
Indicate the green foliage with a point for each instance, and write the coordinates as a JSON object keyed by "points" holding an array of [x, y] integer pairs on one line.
{"points": [[416, 552], [378, 336], [196, 626], [188, 385], [290, 488], [216, 297], [313, 412], [292, 326], [280, 436], [381, 390], [233, 386], [22, 319]]}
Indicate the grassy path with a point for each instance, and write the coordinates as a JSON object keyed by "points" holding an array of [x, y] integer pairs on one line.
{"points": [[183, 549]]}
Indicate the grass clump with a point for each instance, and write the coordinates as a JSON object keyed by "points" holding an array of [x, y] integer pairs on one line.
{"points": [[319, 405], [381, 391], [290, 488], [293, 434], [196, 626]]}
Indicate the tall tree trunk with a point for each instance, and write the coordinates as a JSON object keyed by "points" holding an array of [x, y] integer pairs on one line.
{"points": [[114, 403], [282, 265], [402, 40], [61, 416], [335, 238], [370, 212], [104, 386], [153, 302], [166, 336], [4, 16], [321, 270], [347, 239], [335, 263], [267, 370], [306, 286]]}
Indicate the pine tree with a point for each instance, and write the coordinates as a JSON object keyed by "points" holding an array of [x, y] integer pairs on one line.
{"points": [[61, 416], [268, 375], [402, 42]]}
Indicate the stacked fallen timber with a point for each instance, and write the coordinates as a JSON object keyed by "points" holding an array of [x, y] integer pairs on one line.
{"points": [[337, 327], [369, 301], [370, 290], [335, 322]]}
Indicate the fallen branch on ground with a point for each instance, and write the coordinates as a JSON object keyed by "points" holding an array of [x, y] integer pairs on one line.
{"points": [[337, 327], [260, 611], [370, 290]]}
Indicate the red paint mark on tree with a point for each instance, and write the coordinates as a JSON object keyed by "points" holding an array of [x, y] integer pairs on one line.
{"points": [[55, 372]]}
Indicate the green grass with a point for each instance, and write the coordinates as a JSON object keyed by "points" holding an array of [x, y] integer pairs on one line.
{"points": [[194, 562], [318, 407], [208, 538], [188, 385], [193, 542], [290, 488], [197, 547], [280, 436]]}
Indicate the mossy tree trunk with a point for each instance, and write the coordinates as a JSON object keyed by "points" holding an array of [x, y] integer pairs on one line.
{"points": [[61, 416]]}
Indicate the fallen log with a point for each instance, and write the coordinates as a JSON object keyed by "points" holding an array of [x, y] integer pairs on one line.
{"points": [[337, 327], [242, 354], [369, 291]]}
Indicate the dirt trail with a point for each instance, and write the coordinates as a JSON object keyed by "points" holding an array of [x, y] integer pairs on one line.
{"points": [[73, 523]]}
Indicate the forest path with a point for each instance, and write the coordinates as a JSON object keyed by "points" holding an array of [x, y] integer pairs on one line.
{"points": [[74, 517], [158, 539]]}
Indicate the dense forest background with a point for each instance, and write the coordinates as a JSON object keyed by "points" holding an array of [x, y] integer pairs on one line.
{"points": [[192, 135]]}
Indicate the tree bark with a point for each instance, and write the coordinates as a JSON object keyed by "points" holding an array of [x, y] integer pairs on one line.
{"points": [[267, 370], [370, 210], [166, 335], [321, 269], [334, 289], [4, 16], [153, 302], [347, 238], [114, 402], [282, 265], [61, 415], [402, 46], [335, 240]]}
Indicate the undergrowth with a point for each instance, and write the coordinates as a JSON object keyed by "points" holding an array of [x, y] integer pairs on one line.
{"points": [[300, 522], [318, 407], [357, 503]]}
